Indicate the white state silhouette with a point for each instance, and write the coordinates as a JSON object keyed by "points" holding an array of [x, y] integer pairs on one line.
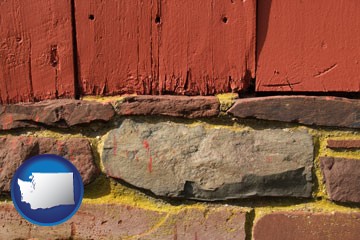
{"points": [[47, 190]]}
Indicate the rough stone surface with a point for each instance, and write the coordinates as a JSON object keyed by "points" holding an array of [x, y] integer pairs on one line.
{"points": [[176, 106], [342, 178], [325, 111], [343, 144], [307, 226], [59, 113], [117, 221], [225, 223], [16, 149], [179, 160]]}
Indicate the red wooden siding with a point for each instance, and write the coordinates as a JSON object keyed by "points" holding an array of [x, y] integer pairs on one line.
{"points": [[156, 47], [306, 45], [206, 46], [114, 40], [186, 47], [36, 54]]}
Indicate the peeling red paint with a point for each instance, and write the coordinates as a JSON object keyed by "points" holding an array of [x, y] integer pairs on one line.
{"points": [[147, 147], [150, 164]]}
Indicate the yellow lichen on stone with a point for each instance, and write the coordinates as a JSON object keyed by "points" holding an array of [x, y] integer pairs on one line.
{"points": [[320, 150], [106, 190], [320, 206], [226, 100], [105, 99]]}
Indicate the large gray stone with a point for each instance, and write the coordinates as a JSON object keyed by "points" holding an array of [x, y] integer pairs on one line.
{"points": [[196, 162]]}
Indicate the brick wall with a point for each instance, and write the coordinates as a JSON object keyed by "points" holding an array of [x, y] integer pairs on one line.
{"points": [[176, 167]]}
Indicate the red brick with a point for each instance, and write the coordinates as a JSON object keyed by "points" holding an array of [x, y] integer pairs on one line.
{"points": [[342, 178], [308, 110], [176, 106], [308, 46], [117, 221], [343, 144], [308, 226]]}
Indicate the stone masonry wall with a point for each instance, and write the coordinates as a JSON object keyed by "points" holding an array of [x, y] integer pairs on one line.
{"points": [[177, 167]]}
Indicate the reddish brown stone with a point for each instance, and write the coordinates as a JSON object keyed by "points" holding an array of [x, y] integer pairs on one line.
{"points": [[226, 223], [59, 113], [176, 106], [110, 221], [15, 150], [308, 226], [343, 144], [76, 150], [342, 178], [324, 111], [118, 221]]}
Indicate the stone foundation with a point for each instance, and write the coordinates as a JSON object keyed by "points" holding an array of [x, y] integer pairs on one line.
{"points": [[176, 167]]}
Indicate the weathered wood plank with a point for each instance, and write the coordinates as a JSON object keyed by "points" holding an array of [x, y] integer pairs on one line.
{"points": [[206, 47], [114, 46], [308, 46], [158, 47], [36, 54]]}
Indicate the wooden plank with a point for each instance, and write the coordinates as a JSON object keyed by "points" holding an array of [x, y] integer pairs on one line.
{"points": [[36, 54], [206, 47], [165, 47], [306, 45], [114, 41]]}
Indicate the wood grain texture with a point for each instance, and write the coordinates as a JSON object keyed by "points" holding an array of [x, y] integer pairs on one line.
{"points": [[306, 45], [206, 47], [114, 41], [36, 54], [165, 46]]}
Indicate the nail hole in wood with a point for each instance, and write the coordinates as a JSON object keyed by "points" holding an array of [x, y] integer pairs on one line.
{"points": [[157, 20], [91, 17], [225, 19]]}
